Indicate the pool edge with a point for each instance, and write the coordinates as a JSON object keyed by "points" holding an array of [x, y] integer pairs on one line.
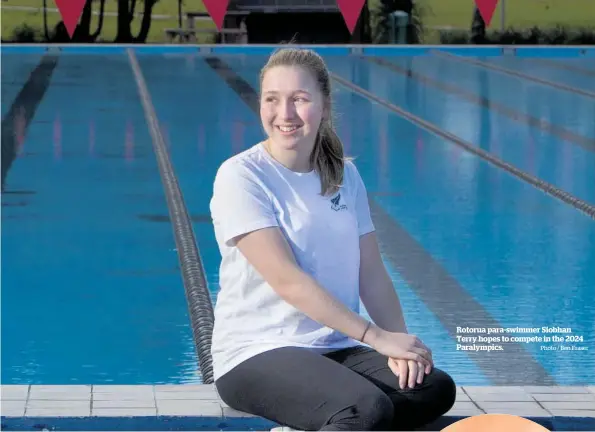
{"points": [[558, 51], [198, 407]]}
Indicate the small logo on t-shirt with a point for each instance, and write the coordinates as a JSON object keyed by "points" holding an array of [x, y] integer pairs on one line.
{"points": [[335, 203]]}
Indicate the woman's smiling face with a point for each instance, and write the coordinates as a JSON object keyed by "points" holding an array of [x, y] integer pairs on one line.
{"points": [[291, 108]]}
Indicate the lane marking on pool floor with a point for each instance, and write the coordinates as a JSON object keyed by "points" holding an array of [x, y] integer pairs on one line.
{"points": [[448, 300], [544, 125], [544, 186], [436, 288], [565, 66], [514, 73], [193, 274], [23, 110]]}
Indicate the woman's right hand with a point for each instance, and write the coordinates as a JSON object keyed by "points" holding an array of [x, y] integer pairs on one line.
{"points": [[401, 346]]}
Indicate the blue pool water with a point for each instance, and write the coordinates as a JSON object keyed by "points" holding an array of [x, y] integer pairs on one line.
{"points": [[92, 290]]}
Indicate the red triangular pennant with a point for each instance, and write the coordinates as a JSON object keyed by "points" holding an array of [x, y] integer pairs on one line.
{"points": [[71, 11], [217, 10], [351, 9], [486, 9]]}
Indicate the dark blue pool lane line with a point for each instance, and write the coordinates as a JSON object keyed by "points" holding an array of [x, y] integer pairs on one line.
{"points": [[514, 73], [557, 131], [23, 110], [195, 284], [242, 88], [546, 187], [441, 292]]}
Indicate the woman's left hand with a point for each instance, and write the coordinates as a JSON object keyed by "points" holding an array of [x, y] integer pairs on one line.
{"points": [[409, 372]]}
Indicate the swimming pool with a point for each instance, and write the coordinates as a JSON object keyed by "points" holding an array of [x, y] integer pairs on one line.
{"points": [[454, 145]]}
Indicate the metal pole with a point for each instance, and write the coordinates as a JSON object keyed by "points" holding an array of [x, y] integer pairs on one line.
{"points": [[502, 14], [180, 14], [399, 22]]}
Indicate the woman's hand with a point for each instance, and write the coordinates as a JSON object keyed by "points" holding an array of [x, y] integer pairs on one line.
{"points": [[408, 371], [401, 346]]}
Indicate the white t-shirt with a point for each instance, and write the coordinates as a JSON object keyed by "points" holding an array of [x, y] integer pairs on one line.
{"points": [[253, 191]]}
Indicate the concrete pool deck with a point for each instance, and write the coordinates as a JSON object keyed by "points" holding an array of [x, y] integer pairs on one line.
{"points": [[198, 407]]}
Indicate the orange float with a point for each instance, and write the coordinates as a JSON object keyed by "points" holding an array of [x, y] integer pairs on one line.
{"points": [[495, 423]]}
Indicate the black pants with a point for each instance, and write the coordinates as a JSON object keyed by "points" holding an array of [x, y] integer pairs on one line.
{"points": [[350, 389]]}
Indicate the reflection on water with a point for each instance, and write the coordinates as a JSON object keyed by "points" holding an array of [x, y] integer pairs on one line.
{"points": [[57, 138], [129, 143], [91, 138], [61, 128], [237, 137], [201, 140]]}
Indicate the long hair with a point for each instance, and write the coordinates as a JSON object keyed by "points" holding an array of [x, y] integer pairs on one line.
{"points": [[327, 156]]}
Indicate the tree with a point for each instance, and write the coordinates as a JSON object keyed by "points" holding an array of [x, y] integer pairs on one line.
{"points": [[46, 31], [82, 32], [126, 14], [478, 27]]}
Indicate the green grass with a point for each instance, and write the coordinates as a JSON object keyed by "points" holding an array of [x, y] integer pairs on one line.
{"points": [[12, 19], [437, 14], [520, 14], [164, 7]]}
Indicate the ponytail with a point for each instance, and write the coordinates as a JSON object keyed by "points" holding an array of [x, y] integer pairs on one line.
{"points": [[328, 159]]}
